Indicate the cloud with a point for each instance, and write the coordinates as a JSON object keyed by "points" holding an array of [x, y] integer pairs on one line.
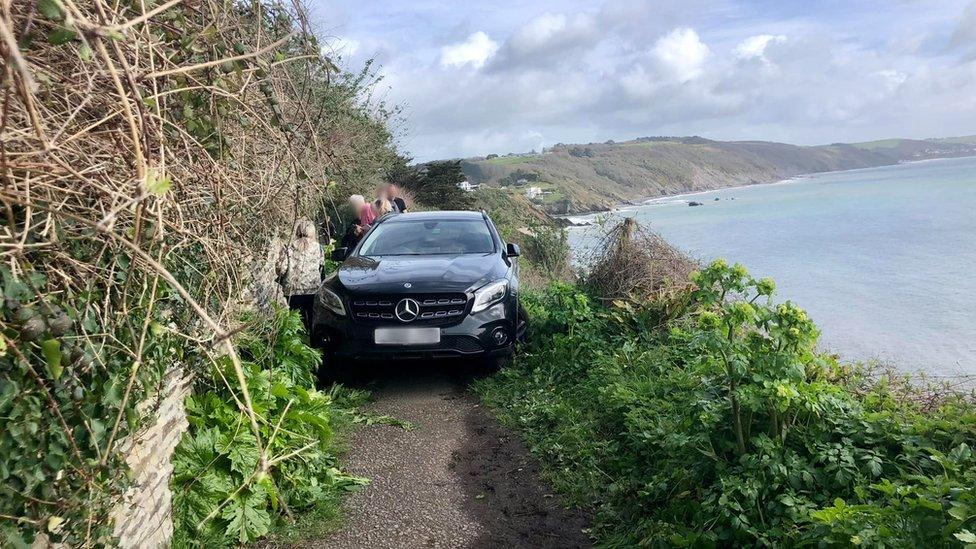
{"points": [[965, 33], [571, 71], [682, 53], [475, 51], [754, 47], [503, 141], [964, 37], [547, 39], [892, 79]]}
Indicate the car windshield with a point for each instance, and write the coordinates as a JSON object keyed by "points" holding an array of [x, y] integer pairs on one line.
{"points": [[429, 237]]}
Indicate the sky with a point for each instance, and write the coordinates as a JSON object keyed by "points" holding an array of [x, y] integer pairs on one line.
{"points": [[476, 77]]}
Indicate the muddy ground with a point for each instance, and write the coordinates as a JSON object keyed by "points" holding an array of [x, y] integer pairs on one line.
{"points": [[457, 479]]}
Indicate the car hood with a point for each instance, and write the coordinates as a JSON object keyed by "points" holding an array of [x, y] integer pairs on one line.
{"points": [[424, 274]]}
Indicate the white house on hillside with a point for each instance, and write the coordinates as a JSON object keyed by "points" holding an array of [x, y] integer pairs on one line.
{"points": [[466, 186], [533, 192]]}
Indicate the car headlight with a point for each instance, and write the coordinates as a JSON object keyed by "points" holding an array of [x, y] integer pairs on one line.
{"points": [[489, 294], [331, 301]]}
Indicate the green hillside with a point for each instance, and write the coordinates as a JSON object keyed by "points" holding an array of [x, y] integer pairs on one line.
{"points": [[921, 149], [594, 176]]}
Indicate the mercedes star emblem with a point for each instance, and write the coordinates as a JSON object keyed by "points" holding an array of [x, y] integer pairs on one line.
{"points": [[407, 310]]}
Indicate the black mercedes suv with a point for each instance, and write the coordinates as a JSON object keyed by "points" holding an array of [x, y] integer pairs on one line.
{"points": [[422, 285]]}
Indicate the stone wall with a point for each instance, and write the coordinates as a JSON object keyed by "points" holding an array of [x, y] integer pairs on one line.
{"points": [[145, 517]]}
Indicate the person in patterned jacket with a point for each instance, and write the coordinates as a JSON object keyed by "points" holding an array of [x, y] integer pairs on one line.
{"points": [[300, 269]]}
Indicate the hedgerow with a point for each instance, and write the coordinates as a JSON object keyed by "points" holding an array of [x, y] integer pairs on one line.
{"points": [[713, 420], [151, 153]]}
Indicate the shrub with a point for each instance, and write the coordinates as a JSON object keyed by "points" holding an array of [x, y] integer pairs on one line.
{"points": [[216, 147], [223, 493], [722, 425], [546, 253]]}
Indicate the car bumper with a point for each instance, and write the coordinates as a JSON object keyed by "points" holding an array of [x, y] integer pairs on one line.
{"points": [[473, 337]]}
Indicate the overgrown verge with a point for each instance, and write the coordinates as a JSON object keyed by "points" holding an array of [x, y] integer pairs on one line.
{"points": [[222, 495], [709, 419], [150, 154]]}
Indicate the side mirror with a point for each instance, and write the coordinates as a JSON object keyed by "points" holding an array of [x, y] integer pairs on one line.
{"points": [[512, 250], [339, 254]]}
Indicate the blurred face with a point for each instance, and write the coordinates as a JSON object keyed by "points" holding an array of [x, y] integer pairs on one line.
{"points": [[381, 191], [392, 191], [357, 207]]}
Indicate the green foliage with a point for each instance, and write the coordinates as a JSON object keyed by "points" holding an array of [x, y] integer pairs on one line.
{"points": [[223, 493], [546, 252], [509, 211], [722, 425], [87, 328], [64, 405], [436, 186]]}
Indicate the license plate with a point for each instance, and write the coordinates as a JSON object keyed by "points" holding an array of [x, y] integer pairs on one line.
{"points": [[407, 336]]}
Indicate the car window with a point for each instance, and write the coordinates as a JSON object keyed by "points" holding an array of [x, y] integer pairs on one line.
{"points": [[429, 237]]}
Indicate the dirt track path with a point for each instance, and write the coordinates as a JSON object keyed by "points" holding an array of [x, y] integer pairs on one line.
{"points": [[458, 479]]}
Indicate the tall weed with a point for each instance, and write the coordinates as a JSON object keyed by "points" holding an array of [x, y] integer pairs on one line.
{"points": [[222, 494]]}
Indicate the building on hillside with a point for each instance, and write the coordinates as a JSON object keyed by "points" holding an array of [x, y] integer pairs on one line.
{"points": [[466, 186], [533, 192]]}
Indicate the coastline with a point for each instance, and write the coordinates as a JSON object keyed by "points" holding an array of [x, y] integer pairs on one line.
{"points": [[852, 278], [586, 218]]}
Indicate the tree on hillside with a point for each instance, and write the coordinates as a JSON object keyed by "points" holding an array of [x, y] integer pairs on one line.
{"points": [[439, 186], [404, 174], [434, 184]]}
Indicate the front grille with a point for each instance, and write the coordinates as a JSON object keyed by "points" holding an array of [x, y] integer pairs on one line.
{"points": [[435, 309]]}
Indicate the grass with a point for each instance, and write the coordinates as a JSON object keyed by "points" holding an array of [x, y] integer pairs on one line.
{"points": [[312, 524], [879, 144], [962, 140], [511, 160]]}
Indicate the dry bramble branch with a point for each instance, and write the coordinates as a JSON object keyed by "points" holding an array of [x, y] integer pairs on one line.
{"points": [[148, 153]]}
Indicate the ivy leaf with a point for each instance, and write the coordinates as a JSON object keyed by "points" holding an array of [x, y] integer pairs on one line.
{"points": [[98, 429], [85, 53], [61, 35], [248, 517], [12, 287], [50, 9], [51, 349], [158, 184]]}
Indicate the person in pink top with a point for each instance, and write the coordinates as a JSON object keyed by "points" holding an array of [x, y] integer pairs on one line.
{"points": [[367, 215]]}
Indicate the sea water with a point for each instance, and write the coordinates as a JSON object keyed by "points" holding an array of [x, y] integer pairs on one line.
{"points": [[883, 259]]}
